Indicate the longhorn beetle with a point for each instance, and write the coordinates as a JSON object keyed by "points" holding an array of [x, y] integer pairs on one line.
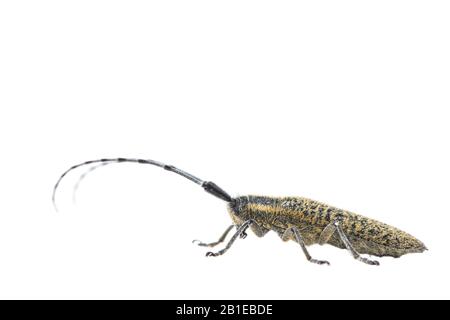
{"points": [[299, 219]]}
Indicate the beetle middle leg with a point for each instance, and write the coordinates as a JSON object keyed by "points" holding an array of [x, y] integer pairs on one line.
{"points": [[302, 244], [242, 228], [221, 239], [328, 232]]}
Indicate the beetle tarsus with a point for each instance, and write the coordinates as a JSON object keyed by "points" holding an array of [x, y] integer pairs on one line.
{"points": [[211, 254], [213, 244], [319, 262], [368, 261]]}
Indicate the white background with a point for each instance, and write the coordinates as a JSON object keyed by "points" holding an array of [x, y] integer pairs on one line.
{"points": [[346, 102]]}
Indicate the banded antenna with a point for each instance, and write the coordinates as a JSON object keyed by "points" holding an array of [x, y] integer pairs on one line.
{"points": [[208, 186]]}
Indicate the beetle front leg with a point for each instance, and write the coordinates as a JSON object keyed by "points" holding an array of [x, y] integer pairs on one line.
{"points": [[238, 233], [213, 244]]}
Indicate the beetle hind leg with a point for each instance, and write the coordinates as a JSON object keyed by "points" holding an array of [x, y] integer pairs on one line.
{"points": [[328, 232]]}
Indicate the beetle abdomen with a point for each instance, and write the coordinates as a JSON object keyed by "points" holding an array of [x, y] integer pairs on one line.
{"points": [[377, 238]]}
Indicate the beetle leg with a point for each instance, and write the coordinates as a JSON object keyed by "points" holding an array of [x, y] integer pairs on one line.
{"points": [[213, 244], [239, 231], [302, 244], [350, 248], [327, 233]]}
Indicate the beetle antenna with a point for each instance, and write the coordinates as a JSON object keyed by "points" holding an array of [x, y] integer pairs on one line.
{"points": [[208, 186]]}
